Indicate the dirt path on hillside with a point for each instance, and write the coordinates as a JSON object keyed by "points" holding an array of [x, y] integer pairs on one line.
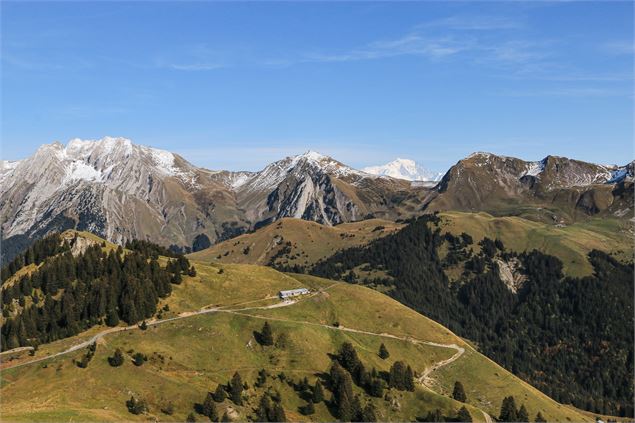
{"points": [[424, 379]]}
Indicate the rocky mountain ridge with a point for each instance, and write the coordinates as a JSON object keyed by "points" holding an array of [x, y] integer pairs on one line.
{"points": [[121, 190]]}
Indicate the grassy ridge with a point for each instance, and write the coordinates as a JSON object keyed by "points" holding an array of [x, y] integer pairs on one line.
{"points": [[570, 243], [309, 241], [190, 356]]}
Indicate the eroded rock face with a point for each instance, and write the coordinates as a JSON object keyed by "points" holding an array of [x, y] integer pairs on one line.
{"points": [[508, 185], [122, 191]]}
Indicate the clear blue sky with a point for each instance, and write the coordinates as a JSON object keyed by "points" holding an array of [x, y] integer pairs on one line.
{"points": [[236, 85]]}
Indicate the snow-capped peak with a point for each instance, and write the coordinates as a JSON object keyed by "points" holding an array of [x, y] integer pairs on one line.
{"points": [[313, 156], [403, 169]]}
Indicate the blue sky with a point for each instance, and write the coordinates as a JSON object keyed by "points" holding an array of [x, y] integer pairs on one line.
{"points": [[237, 85]]}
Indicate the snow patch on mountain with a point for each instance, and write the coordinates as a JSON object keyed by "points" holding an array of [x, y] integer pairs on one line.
{"points": [[404, 169], [300, 166], [79, 170], [535, 168]]}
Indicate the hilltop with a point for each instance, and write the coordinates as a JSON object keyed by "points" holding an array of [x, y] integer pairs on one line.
{"points": [[291, 242], [204, 331]]}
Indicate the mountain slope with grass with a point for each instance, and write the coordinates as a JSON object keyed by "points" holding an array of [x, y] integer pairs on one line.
{"points": [[572, 337], [211, 326], [291, 242]]}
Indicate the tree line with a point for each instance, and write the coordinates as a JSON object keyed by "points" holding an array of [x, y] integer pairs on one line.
{"points": [[68, 294], [570, 337]]}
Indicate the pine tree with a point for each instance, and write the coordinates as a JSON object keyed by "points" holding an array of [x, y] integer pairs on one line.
{"points": [[369, 415], [209, 407], [117, 358], [459, 393], [509, 412], [383, 352], [220, 394], [348, 357], [540, 418], [236, 389], [523, 415], [464, 415], [308, 409], [344, 407], [262, 378], [356, 409], [138, 359], [318, 393], [278, 413], [266, 335], [376, 387]]}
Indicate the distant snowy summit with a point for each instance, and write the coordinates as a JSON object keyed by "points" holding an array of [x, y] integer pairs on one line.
{"points": [[404, 169]]}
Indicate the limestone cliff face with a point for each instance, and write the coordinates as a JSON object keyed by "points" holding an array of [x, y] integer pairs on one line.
{"points": [[121, 191]]}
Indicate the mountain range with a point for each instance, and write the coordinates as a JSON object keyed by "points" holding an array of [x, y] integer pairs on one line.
{"points": [[123, 191]]}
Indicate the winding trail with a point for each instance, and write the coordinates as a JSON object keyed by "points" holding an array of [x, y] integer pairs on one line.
{"points": [[424, 379]]}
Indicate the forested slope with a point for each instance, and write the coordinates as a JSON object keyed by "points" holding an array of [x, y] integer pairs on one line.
{"points": [[571, 337]]}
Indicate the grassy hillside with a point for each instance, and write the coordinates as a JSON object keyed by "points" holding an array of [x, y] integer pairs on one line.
{"points": [[570, 243], [190, 355], [295, 241]]}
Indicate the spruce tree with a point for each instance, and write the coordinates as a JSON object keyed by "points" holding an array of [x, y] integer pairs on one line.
{"points": [[138, 359], [308, 409], [383, 352], [459, 393], [344, 407], [209, 407], [464, 415], [368, 415], [220, 394], [266, 335], [539, 418], [509, 412], [318, 393], [117, 358], [236, 389], [523, 415]]}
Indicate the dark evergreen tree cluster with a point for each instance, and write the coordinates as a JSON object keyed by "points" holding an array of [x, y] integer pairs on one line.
{"points": [[401, 377], [373, 382], [70, 294], [35, 254], [83, 362], [150, 249], [459, 392], [117, 358], [270, 410], [209, 407], [570, 337]]}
